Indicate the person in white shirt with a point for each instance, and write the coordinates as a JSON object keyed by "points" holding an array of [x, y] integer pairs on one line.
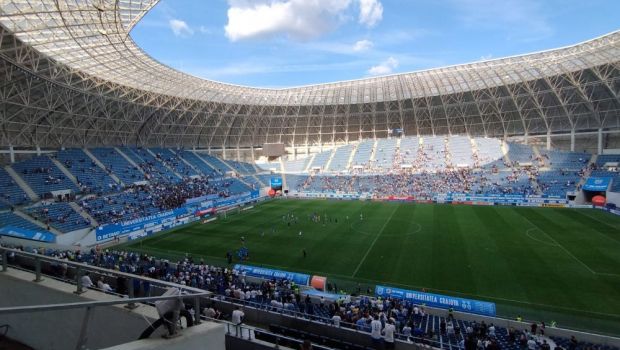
{"points": [[86, 281], [104, 286], [492, 331], [375, 331], [388, 334], [237, 319], [237, 316], [336, 320]]}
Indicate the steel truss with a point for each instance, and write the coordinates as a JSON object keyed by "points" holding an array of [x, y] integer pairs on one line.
{"points": [[72, 76]]}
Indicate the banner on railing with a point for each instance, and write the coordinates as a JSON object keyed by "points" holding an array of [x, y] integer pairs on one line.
{"points": [[112, 230], [170, 218], [438, 300], [265, 273], [40, 236]]}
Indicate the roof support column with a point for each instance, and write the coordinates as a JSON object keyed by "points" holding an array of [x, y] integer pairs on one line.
{"points": [[548, 140], [12, 154], [600, 141], [572, 140], [38, 150], [526, 137]]}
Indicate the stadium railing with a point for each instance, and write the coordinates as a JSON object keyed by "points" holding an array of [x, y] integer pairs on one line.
{"points": [[265, 314]]}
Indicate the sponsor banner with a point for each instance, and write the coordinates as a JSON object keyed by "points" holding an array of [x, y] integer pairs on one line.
{"points": [[276, 183], [112, 230], [438, 300], [260, 272], [597, 184], [554, 205], [40, 236]]}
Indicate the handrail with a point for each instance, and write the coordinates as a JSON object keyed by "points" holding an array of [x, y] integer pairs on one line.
{"points": [[5, 250], [83, 304]]}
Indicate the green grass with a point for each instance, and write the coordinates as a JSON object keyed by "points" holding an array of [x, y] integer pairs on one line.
{"points": [[542, 263]]}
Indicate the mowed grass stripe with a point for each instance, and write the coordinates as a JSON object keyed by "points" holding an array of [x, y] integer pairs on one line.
{"points": [[477, 252]]}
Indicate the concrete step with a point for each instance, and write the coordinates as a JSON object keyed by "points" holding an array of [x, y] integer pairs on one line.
{"points": [[102, 166], [207, 162], [128, 159], [21, 183], [84, 214], [65, 171], [164, 164], [186, 162]]}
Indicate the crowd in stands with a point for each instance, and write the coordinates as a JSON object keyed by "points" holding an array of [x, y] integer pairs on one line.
{"points": [[394, 318], [143, 200]]}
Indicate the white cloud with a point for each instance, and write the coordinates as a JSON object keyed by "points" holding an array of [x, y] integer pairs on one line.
{"points": [[486, 57], [297, 19], [385, 67], [371, 12], [363, 45], [180, 28]]}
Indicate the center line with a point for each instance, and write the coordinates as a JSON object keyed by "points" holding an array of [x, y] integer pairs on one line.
{"points": [[373, 242]]}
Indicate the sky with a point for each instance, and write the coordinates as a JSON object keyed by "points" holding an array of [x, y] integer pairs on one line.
{"points": [[286, 43]]}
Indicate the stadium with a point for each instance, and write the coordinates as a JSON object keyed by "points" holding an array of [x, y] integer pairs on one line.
{"points": [[471, 206]]}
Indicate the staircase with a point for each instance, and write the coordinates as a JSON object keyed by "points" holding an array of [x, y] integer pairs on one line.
{"points": [[309, 166], [373, 152], [94, 159], [164, 163], [505, 152], [84, 214], [352, 155], [178, 155], [207, 163], [331, 157], [22, 184], [65, 171], [129, 159]]}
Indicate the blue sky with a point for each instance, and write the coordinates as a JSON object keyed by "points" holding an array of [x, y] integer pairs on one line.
{"points": [[283, 43]]}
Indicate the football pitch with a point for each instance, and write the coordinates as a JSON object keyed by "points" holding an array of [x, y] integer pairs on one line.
{"points": [[541, 263]]}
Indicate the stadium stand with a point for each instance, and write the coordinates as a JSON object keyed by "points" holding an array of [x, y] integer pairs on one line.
{"points": [[558, 182], [10, 192], [219, 165], [408, 151], [265, 179], [197, 162], [118, 165], [566, 160], [297, 165], [434, 148], [340, 159], [90, 177], [385, 153], [11, 219], [519, 153], [461, 154], [43, 176], [489, 152], [172, 161], [60, 216], [153, 167], [320, 160], [362, 154], [413, 322], [131, 204]]}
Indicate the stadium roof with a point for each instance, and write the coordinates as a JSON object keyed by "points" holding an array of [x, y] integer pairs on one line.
{"points": [[85, 45]]}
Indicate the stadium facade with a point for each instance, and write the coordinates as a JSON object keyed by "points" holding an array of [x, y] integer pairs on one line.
{"points": [[72, 76]]}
